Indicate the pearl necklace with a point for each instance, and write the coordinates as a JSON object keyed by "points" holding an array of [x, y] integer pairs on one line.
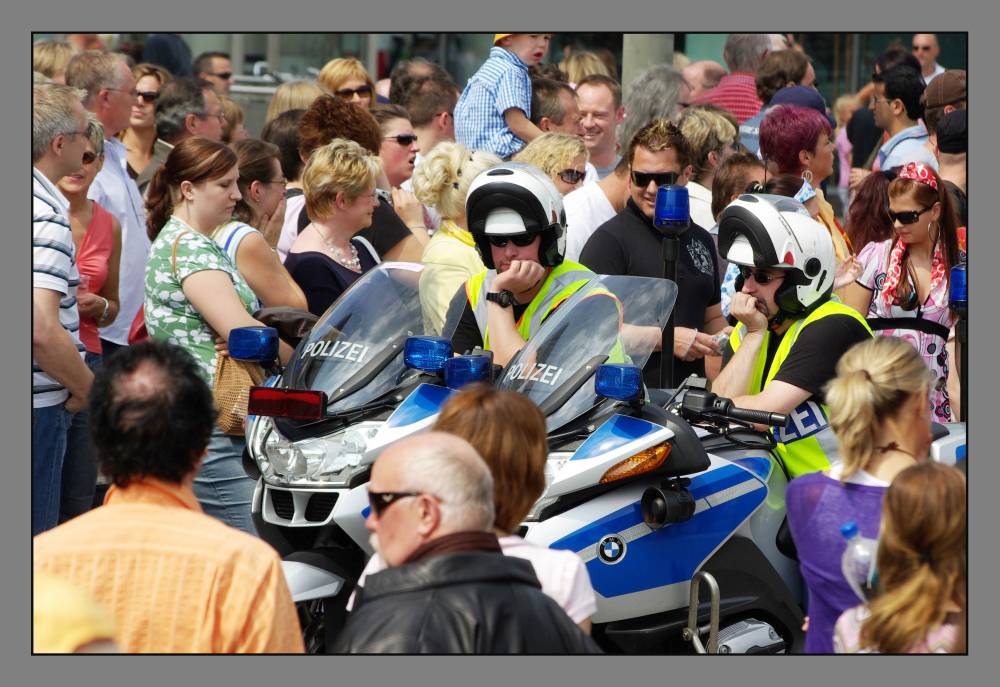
{"points": [[352, 263]]}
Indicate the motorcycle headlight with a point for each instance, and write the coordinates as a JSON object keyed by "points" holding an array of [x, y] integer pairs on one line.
{"points": [[318, 461]]}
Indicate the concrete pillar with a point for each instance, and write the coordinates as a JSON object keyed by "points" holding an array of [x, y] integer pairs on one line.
{"points": [[642, 50]]}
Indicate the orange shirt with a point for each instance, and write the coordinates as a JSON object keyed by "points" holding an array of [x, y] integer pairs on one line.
{"points": [[174, 579]]}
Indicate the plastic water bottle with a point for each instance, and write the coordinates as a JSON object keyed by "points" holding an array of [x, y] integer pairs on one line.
{"points": [[858, 561]]}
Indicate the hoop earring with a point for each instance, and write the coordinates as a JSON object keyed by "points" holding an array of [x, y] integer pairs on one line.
{"points": [[937, 228], [807, 175]]}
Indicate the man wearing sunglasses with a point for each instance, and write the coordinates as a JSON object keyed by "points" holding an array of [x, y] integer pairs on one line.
{"points": [[791, 332], [926, 50], [629, 244], [215, 68], [516, 218], [448, 588]]}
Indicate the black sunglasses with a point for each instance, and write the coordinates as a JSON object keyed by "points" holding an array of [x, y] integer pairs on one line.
{"points": [[381, 500], [147, 96], [908, 216], [759, 276], [520, 240], [403, 139], [572, 176], [226, 76], [642, 179], [89, 157], [347, 93]]}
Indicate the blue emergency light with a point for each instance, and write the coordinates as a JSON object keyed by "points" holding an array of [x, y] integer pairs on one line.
{"points": [[427, 353]]}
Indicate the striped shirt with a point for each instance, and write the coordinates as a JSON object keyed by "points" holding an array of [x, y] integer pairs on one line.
{"points": [[501, 84], [53, 266], [174, 579], [736, 93]]}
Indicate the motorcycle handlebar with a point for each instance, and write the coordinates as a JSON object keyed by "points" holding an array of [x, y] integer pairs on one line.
{"points": [[760, 417]]}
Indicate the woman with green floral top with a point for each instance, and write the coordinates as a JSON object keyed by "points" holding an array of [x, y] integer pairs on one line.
{"points": [[194, 295]]}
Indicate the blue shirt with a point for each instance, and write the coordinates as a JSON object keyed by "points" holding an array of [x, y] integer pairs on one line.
{"points": [[501, 84], [906, 146]]}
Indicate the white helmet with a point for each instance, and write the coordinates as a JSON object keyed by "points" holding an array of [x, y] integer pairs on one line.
{"points": [[763, 230], [515, 198]]}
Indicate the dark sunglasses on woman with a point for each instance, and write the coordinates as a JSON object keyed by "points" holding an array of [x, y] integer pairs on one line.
{"points": [[572, 176], [147, 96], [908, 216], [402, 139], [348, 93], [520, 240]]}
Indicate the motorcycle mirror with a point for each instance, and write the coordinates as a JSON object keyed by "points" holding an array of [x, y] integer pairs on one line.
{"points": [[253, 344], [619, 382]]}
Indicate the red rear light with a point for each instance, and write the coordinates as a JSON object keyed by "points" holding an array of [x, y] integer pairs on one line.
{"points": [[292, 403]]}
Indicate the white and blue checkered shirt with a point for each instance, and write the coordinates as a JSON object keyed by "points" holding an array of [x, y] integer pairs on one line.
{"points": [[501, 84]]}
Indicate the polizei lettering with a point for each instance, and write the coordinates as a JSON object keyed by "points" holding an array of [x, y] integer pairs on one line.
{"points": [[540, 372], [344, 350]]}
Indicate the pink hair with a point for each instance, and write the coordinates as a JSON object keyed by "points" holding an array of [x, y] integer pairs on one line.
{"points": [[788, 130]]}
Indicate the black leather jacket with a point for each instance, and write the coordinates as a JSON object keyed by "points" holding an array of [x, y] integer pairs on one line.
{"points": [[462, 603]]}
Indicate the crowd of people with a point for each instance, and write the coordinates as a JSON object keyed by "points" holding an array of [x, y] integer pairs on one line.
{"points": [[161, 224]]}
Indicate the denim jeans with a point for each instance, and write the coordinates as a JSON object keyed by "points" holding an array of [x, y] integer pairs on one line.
{"points": [[222, 486], [79, 471], [49, 428]]}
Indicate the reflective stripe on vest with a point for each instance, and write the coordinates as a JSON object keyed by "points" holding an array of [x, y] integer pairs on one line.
{"points": [[563, 281], [808, 443]]}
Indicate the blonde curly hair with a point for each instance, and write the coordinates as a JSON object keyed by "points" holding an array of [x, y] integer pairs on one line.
{"points": [[443, 177], [552, 153]]}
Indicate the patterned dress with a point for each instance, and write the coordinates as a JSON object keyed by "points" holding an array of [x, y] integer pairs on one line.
{"points": [[170, 316], [874, 259]]}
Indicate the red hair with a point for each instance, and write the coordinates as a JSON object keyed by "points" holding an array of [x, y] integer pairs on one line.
{"points": [[786, 131]]}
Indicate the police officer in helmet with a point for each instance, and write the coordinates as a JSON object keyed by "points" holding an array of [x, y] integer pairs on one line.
{"points": [[516, 217], [791, 330]]}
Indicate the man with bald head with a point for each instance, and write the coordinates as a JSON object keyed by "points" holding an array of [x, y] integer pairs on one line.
{"points": [[448, 588], [703, 75], [926, 50]]}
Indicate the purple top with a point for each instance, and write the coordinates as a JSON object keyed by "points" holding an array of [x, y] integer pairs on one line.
{"points": [[817, 506]]}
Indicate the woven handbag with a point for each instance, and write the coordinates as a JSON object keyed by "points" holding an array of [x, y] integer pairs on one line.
{"points": [[233, 379]]}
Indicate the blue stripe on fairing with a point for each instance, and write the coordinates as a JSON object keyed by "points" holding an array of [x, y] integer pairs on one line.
{"points": [[671, 554], [757, 465], [960, 453], [615, 433], [366, 511], [426, 400]]}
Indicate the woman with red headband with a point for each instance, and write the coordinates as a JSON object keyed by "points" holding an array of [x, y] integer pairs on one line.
{"points": [[903, 288]]}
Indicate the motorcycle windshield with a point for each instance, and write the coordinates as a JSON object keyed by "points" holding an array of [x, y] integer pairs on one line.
{"points": [[613, 319], [360, 336]]}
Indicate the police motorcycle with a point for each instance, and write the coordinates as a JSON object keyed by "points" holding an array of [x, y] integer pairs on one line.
{"points": [[314, 429]]}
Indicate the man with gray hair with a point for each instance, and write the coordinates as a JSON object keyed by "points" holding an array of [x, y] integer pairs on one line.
{"points": [[110, 87], [449, 588], [186, 107], [60, 380], [659, 92], [737, 90]]}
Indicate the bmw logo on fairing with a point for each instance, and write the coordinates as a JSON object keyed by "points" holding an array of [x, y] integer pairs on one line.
{"points": [[611, 549]]}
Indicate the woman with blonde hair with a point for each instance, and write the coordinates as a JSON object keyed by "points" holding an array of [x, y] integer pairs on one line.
{"points": [[921, 566], [563, 158], [878, 412], [51, 57], [508, 431], [292, 95], [450, 258], [233, 131], [346, 78], [328, 256], [581, 63]]}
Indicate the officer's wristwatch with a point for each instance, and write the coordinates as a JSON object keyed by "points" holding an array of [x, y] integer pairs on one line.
{"points": [[504, 299]]}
